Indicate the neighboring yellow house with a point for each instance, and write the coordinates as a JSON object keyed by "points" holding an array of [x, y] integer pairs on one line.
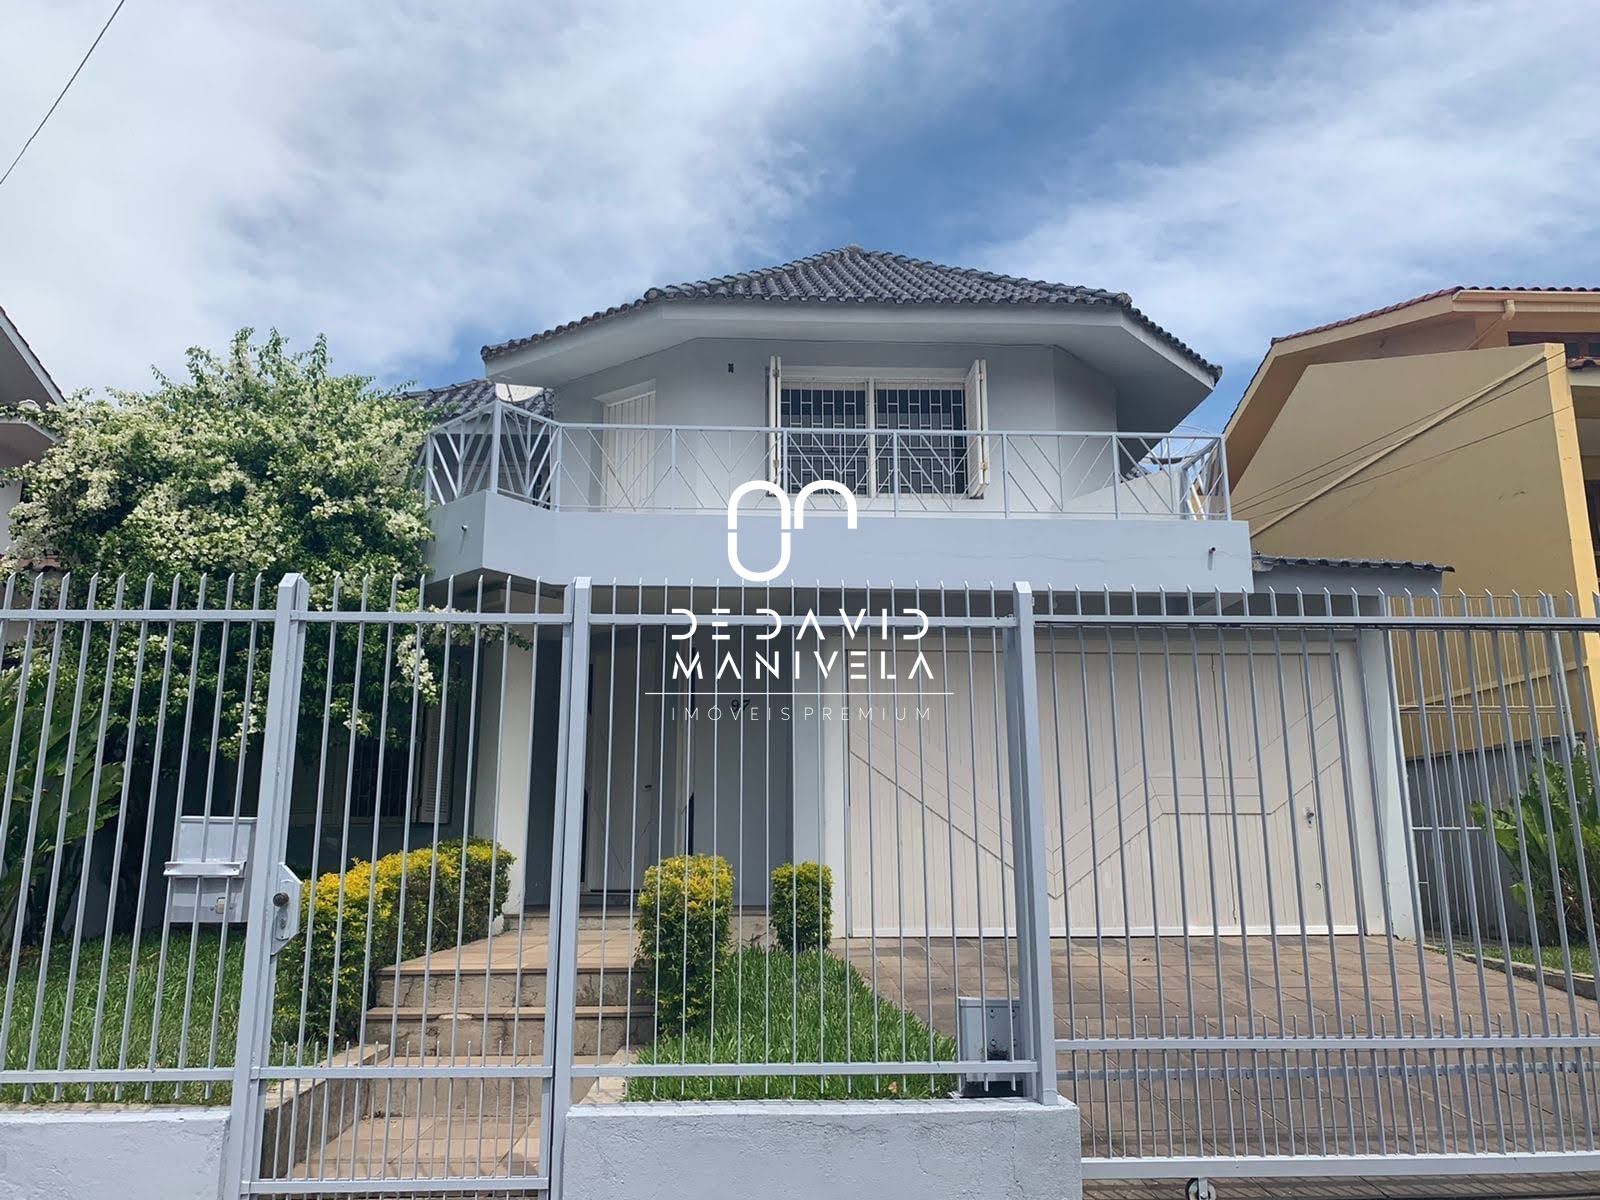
{"points": [[1461, 427]]}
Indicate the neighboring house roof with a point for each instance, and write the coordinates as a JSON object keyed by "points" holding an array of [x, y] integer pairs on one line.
{"points": [[454, 399], [22, 375], [1433, 295], [851, 275], [1287, 355], [1266, 562]]}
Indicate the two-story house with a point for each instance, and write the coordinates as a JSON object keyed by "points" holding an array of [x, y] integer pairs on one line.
{"points": [[1461, 426], [975, 431]]}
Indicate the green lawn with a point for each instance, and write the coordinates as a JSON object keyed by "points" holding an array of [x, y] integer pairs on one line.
{"points": [[1582, 961], [198, 1048], [771, 1007]]}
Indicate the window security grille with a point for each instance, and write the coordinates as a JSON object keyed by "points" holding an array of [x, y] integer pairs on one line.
{"points": [[807, 457], [924, 447]]}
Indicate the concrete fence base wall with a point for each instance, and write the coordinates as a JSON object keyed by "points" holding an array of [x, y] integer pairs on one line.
{"points": [[916, 1150], [120, 1153]]}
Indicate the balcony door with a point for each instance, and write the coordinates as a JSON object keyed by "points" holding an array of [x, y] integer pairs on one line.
{"points": [[625, 470]]}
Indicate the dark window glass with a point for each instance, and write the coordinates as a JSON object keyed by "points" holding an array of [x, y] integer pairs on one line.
{"points": [[807, 457], [930, 454]]}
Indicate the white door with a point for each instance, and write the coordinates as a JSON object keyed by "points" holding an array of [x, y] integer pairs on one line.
{"points": [[626, 469], [1153, 824]]}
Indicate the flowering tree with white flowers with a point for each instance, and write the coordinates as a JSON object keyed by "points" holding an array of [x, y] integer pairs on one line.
{"points": [[261, 460]]}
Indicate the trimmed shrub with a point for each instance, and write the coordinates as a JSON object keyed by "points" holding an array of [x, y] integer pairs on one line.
{"points": [[380, 918], [802, 907], [684, 921]]}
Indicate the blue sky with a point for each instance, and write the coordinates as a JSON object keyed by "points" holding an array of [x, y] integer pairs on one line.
{"points": [[416, 180]]}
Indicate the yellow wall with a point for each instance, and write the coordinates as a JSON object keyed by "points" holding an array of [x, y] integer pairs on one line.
{"points": [[1467, 458]]}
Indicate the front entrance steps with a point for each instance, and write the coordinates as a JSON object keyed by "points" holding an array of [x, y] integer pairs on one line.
{"points": [[491, 996]]}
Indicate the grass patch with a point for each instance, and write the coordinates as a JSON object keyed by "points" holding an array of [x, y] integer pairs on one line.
{"points": [[772, 1007], [176, 1042], [1582, 960]]}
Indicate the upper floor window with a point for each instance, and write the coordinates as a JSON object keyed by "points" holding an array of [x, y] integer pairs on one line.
{"points": [[907, 432], [1579, 345]]}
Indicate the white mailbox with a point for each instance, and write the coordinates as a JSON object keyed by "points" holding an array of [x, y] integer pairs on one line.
{"points": [[206, 877], [986, 1028]]}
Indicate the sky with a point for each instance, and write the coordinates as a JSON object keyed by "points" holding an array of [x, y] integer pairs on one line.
{"points": [[417, 179]]}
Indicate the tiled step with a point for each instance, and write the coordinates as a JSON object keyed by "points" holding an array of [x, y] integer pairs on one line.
{"points": [[519, 1031], [505, 987]]}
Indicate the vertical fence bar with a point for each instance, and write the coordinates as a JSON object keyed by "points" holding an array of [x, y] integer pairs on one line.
{"points": [[1028, 854], [243, 1149], [567, 841]]}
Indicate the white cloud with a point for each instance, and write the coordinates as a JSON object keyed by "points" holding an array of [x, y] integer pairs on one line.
{"points": [[406, 175], [1386, 152]]}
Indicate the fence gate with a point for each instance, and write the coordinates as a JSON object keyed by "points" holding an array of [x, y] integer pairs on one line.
{"points": [[1270, 886], [400, 1033], [1324, 863]]}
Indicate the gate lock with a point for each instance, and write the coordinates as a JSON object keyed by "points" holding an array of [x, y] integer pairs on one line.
{"points": [[285, 908]]}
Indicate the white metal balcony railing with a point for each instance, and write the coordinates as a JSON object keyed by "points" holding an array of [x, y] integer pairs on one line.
{"points": [[695, 468]]}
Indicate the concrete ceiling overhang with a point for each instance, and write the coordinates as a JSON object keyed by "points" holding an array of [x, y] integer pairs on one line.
{"points": [[1157, 385], [21, 441], [22, 375]]}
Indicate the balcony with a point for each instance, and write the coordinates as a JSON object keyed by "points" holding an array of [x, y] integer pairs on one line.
{"points": [[517, 494], [694, 469]]}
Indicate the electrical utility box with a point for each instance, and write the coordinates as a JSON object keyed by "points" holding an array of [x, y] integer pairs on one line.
{"points": [[987, 1030], [206, 877]]}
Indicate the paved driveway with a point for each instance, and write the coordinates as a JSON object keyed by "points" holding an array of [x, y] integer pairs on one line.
{"points": [[1268, 1089]]}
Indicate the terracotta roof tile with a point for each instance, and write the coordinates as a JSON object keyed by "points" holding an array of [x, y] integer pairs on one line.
{"points": [[1266, 562], [1434, 295]]}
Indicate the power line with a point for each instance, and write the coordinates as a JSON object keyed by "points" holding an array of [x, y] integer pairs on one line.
{"points": [[1360, 480], [1315, 474], [64, 91]]}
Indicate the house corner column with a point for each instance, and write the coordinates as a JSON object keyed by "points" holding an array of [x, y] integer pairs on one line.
{"points": [[1391, 797]]}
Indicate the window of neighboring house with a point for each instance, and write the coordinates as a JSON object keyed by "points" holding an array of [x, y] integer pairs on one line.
{"points": [[1579, 345], [908, 435]]}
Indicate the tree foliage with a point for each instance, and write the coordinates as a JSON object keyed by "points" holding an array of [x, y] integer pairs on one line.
{"points": [[1556, 823], [260, 461]]}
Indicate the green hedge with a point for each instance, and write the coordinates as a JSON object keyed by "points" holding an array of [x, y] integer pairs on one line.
{"points": [[468, 882], [802, 907], [684, 917]]}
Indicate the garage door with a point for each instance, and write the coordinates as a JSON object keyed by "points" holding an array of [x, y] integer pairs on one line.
{"points": [[1186, 788]]}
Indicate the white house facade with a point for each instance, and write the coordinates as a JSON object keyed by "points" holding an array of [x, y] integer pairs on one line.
{"points": [[990, 432]]}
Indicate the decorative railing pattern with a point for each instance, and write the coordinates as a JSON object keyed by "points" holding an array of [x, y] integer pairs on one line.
{"points": [[695, 468]]}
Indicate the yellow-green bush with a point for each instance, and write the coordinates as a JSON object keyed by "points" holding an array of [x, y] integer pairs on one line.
{"points": [[802, 906], [684, 916], [467, 883]]}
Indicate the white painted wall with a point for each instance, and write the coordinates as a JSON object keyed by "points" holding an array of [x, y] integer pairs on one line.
{"points": [[10, 493], [120, 1152], [499, 533], [1030, 387], [802, 1150]]}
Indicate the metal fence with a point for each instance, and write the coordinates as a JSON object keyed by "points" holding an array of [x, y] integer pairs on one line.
{"points": [[403, 873], [615, 467]]}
